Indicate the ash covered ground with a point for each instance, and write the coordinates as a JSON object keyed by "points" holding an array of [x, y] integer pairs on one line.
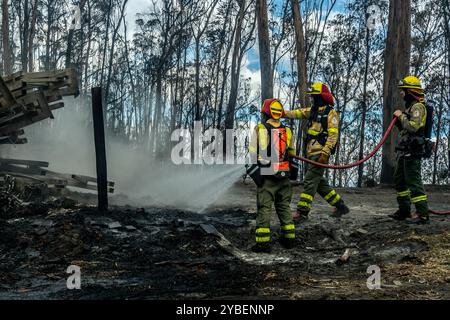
{"points": [[169, 253]]}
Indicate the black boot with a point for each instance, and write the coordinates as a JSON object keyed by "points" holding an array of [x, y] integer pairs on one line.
{"points": [[300, 216], [287, 243], [340, 209], [400, 215], [262, 248], [419, 220]]}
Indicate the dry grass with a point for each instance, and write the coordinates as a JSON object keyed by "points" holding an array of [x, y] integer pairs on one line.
{"points": [[435, 266]]}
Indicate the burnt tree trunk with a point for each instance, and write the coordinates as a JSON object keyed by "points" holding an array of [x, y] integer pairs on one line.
{"points": [[24, 37], [446, 6], [301, 55], [224, 77], [302, 77], [364, 109], [31, 36], [264, 50], [7, 65], [235, 68], [438, 133], [396, 66]]}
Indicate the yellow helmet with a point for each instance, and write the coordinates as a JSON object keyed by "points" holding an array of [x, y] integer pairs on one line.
{"points": [[320, 88], [410, 82], [273, 108], [276, 109], [316, 88]]}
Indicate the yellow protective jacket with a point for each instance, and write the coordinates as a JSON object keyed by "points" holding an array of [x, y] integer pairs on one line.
{"points": [[314, 148], [261, 135]]}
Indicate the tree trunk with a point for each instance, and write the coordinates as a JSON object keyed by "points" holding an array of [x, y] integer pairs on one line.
{"points": [[301, 56], [113, 45], [182, 86], [302, 76], [446, 7], [31, 36], [224, 78], [438, 133], [157, 111], [264, 50], [108, 22], [219, 60], [88, 50], [133, 88], [69, 48], [48, 35], [364, 110], [396, 66], [198, 38], [24, 37], [235, 69], [7, 65], [197, 80], [174, 113]]}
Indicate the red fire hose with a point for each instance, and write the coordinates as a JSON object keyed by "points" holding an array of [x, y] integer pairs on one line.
{"points": [[354, 164], [359, 162], [439, 213]]}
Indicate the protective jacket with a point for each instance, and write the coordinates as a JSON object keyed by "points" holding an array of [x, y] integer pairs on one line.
{"points": [[320, 139], [270, 137], [412, 126]]}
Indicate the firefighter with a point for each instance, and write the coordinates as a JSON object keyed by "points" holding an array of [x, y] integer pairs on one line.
{"points": [[321, 140], [270, 147], [407, 177]]}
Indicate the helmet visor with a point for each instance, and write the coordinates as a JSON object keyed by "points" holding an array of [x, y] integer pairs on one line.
{"points": [[276, 110]]}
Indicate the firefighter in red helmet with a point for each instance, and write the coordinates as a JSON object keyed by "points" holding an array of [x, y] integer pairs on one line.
{"points": [[322, 137]]}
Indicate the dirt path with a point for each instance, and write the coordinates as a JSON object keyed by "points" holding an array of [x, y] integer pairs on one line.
{"points": [[176, 254]]}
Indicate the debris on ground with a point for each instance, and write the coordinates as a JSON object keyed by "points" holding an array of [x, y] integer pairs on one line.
{"points": [[168, 253]]}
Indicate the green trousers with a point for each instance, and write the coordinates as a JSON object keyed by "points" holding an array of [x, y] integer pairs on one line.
{"points": [[409, 186], [315, 182], [278, 192]]}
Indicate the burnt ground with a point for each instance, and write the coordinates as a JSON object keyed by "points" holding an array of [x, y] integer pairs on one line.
{"points": [[168, 253]]}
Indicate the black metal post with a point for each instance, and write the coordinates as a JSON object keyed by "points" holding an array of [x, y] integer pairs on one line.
{"points": [[100, 149]]}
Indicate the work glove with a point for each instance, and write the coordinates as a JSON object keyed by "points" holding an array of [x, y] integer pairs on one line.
{"points": [[397, 113], [284, 116], [263, 162], [324, 157]]}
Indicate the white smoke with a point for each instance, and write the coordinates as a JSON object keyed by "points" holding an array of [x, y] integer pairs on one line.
{"points": [[67, 143]]}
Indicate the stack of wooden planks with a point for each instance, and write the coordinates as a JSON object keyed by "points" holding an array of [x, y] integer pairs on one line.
{"points": [[30, 172], [26, 98]]}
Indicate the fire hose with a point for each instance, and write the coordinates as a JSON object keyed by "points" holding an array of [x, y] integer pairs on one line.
{"points": [[361, 161], [357, 163]]}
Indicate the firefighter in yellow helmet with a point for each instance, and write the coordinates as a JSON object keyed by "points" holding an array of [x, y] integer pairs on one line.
{"points": [[270, 147], [322, 137], [411, 148]]}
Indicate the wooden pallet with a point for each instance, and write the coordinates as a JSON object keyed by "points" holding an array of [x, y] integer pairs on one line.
{"points": [[26, 98], [36, 171], [7, 100]]}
